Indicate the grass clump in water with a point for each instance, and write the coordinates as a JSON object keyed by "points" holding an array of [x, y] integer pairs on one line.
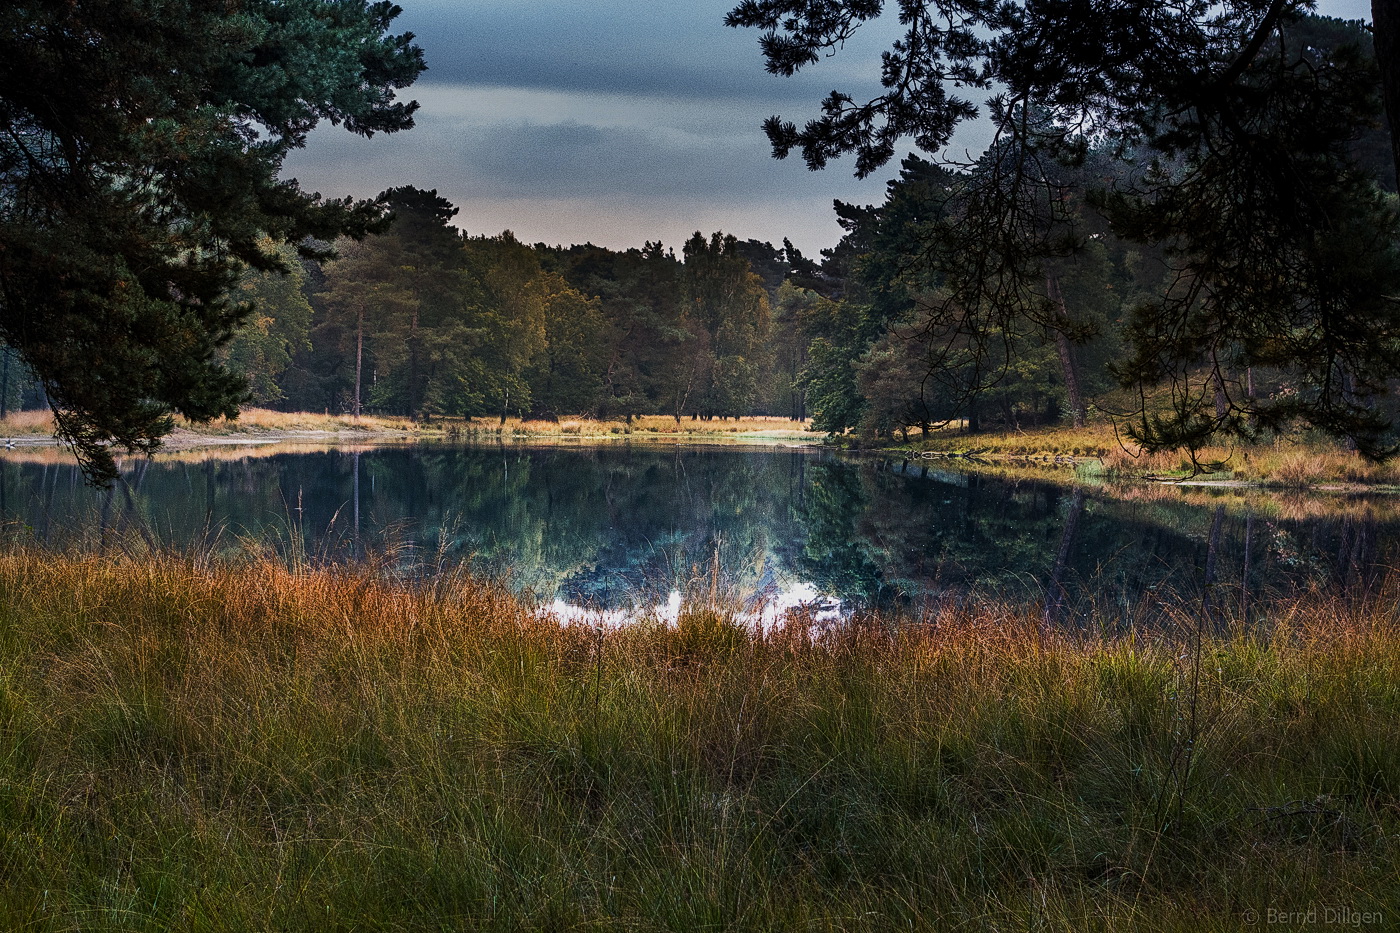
{"points": [[186, 745]]}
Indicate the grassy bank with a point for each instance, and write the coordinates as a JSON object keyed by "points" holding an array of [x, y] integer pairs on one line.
{"points": [[1290, 462], [200, 747], [760, 428], [256, 422], [264, 423]]}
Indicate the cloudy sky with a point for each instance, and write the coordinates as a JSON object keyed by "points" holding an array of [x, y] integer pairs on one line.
{"points": [[611, 121]]}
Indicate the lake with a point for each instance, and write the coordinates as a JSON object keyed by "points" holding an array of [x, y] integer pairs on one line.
{"points": [[616, 526]]}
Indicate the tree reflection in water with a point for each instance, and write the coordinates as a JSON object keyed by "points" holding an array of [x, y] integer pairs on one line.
{"points": [[618, 526]]}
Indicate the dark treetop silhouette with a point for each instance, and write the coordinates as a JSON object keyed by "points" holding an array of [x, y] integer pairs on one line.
{"points": [[140, 144], [1238, 122]]}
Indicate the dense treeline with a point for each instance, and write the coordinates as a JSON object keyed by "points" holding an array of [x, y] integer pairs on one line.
{"points": [[918, 317], [972, 295], [426, 321], [925, 313]]}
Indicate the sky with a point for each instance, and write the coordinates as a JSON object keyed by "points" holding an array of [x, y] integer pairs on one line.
{"points": [[615, 122]]}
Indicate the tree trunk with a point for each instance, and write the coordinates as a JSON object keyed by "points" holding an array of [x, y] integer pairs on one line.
{"points": [[1222, 401], [359, 356], [5, 387], [1349, 397], [1385, 27], [1068, 365], [414, 393]]}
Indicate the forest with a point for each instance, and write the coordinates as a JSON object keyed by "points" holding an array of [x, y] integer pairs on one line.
{"points": [[1229, 273], [430, 322]]}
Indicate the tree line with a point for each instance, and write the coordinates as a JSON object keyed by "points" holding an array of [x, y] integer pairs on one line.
{"points": [[925, 313], [920, 316], [425, 321]]}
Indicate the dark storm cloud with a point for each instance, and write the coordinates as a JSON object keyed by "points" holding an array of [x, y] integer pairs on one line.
{"points": [[638, 117], [577, 160], [675, 49], [613, 121], [513, 143]]}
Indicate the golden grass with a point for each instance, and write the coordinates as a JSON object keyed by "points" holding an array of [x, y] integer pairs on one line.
{"points": [[249, 421], [1286, 462], [262, 420], [1093, 440], [643, 426], [27, 423], [186, 744]]}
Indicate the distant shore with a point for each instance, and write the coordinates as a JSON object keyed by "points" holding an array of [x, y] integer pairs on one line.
{"points": [[1094, 454], [263, 426], [1100, 452]]}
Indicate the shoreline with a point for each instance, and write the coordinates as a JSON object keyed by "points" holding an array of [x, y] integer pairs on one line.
{"points": [[1045, 454], [262, 426], [1294, 463], [181, 440]]}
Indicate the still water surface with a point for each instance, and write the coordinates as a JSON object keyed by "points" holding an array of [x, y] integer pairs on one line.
{"points": [[613, 527]]}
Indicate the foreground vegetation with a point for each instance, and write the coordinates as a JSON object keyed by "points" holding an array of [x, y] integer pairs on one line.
{"points": [[185, 745]]}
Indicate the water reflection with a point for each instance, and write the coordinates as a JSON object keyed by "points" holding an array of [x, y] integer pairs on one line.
{"points": [[609, 527]]}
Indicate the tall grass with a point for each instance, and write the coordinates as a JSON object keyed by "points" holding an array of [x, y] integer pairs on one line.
{"points": [[26, 423], [186, 744]]}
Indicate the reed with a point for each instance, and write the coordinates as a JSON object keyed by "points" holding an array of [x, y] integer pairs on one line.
{"points": [[194, 744]]}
